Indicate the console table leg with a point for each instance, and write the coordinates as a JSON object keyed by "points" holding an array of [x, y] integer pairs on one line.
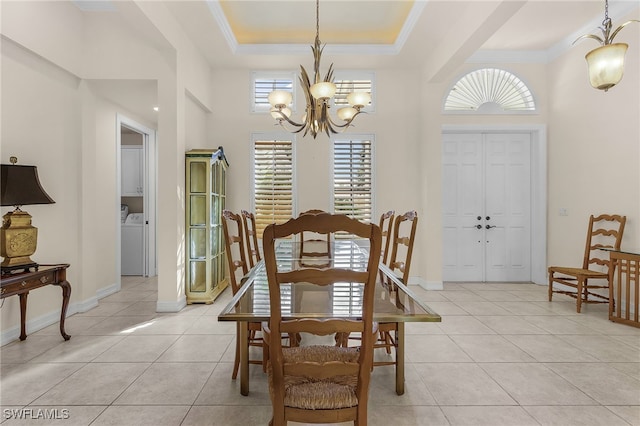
{"points": [[66, 295], [23, 315]]}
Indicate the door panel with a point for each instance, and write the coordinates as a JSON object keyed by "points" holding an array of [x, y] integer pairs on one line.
{"points": [[486, 176], [462, 165]]}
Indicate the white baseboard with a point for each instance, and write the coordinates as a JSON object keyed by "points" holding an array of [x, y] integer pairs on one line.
{"points": [[176, 306], [426, 285]]}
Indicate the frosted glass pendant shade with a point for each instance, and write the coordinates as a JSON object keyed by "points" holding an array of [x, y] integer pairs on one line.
{"points": [[359, 99], [323, 90], [347, 113], [277, 116], [280, 97], [606, 65]]}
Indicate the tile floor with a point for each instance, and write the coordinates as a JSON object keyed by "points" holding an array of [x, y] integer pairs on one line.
{"points": [[502, 355]]}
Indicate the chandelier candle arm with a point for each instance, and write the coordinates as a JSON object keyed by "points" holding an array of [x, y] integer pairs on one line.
{"points": [[317, 97]]}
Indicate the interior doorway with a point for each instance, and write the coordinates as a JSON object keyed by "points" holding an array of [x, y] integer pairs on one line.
{"points": [[494, 204], [136, 198]]}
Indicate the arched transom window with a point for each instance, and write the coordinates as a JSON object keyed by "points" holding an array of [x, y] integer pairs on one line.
{"points": [[489, 90]]}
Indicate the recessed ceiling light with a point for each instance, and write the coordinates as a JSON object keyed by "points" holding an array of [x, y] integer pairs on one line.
{"points": [[156, 109]]}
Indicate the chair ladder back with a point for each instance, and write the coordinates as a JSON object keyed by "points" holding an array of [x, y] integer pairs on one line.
{"points": [[605, 231], [324, 382], [386, 225], [320, 244], [404, 237], [234, 246], [251, 236]]}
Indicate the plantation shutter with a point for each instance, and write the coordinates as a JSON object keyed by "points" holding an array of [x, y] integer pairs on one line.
{"points": [[352, 178], [344, 87], [273, 183]]}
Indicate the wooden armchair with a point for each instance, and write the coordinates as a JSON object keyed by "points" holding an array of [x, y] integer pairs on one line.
{"points": [[404, 234], [605, 231], [234, 246], [321, 383]]}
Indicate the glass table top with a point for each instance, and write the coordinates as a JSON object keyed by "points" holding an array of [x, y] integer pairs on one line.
{"points": [[394, 302]]}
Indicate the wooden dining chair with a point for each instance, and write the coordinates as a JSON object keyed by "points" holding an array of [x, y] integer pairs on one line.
{"points": [[234, 246], [590, 280], [404, 235], [251, 237], [321, 383]]}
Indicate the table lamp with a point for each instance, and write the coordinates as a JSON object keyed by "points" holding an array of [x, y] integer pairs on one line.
{"points": [[19, 186]]}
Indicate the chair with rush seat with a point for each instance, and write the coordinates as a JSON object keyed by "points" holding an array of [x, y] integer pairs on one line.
{"points": [[605, 231], [321, 383]]}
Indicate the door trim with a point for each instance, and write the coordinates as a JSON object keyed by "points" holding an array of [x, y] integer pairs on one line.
{"points": [[538, 187], [150, 160]]}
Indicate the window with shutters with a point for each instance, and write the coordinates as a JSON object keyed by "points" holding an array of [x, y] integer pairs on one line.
{"points": [[353, 177], [266, 82], [272, 181], [353, 81], [490, 91]]}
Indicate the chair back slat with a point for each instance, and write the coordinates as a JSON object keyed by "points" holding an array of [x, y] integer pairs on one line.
{"points": [[234, 246], [251, 237]]}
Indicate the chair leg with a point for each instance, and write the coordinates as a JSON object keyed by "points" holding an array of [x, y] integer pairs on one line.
{"points": [[550, 286], [579, 291], [236, 361]]}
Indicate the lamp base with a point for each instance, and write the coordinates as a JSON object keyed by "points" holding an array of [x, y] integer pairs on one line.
{"points": [[25, 267], [18, 240]]}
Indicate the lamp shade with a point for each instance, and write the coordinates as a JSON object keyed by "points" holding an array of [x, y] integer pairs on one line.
{"points": [[280, 97], [359, 99], [20, 186], [606, 65], [323, 90], [347, 113]]}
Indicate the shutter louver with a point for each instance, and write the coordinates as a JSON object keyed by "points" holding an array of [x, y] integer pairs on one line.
{"points": [[273, 183], [352, 179]]}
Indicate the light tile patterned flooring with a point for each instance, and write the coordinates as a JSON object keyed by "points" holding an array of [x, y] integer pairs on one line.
{"points": [[502, 355]]}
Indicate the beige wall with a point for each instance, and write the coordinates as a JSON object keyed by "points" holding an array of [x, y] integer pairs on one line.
{"points": [[594, 149], [53, 117]]}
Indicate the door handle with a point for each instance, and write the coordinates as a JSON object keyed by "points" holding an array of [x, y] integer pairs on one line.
{"points": [[489, 226]]}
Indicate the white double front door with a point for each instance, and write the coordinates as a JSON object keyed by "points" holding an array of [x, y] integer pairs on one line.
{"points": [[486, 206]]}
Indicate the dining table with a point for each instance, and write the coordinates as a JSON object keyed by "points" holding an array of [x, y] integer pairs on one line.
{"points": [[394, 301]]}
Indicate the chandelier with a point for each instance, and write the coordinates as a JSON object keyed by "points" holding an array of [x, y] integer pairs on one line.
{"points": [[318, 97], [606, 63]]}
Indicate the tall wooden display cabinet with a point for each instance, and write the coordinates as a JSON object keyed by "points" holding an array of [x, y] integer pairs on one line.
{"points": [[205, 199]]}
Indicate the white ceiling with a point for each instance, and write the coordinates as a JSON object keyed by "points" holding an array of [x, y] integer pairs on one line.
{"points": [[437, 35]]}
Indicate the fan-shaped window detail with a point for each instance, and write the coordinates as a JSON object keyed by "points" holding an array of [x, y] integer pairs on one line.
{"points": [[490, 90]]}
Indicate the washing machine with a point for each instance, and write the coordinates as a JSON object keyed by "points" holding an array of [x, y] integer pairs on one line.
{"points": [[132, 248]]}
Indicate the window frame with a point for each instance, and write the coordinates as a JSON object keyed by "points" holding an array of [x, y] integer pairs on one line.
{"points": [[342, 75], [272, 75]]}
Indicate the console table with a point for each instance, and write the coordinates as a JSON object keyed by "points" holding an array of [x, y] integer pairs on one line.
{"points": [[22, 283]]}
